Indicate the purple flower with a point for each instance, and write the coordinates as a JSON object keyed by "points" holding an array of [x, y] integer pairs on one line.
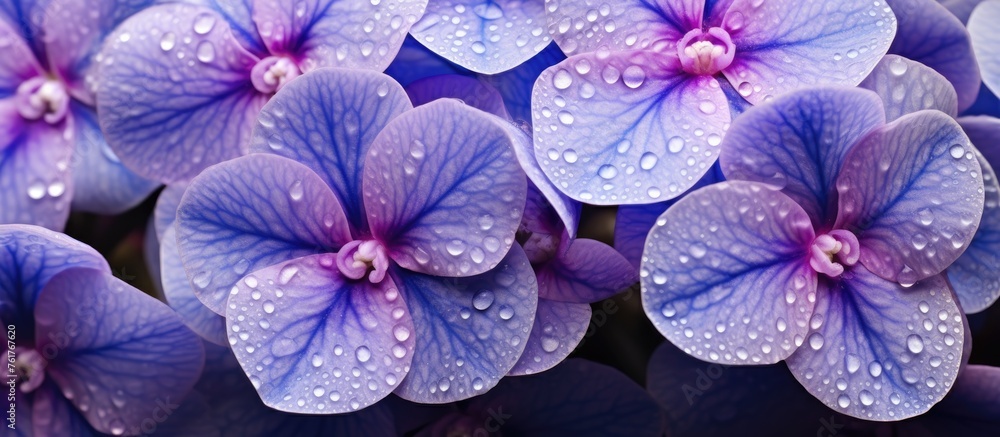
{"points": [[92, 353], [181, 85], [571, 272], [48, 126], [366, 248], [907, 86], [824, 249], [986, 42], [637, 113], [486, 37]]}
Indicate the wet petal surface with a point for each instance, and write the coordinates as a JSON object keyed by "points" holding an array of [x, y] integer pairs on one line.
{"points": [[443, 189], [587, 25], [627, 128], [250, 213], [179, 293], [327, 120], [907, 86], [470, 331], [118, 353], [484, 36], [929, 34], [788, 44], [337, 33], [879, 351], [725, 277], [175, 93], [315, 342], [912, 192], [798, 143]]}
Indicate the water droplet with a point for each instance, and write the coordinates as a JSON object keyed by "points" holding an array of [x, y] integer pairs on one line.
{"points": [[633, 76], [648, 160], [550, 344], [853, 363], [268, 307], [875, 369], [36, 190], [479, 47], [898, 66], [675, 144], [698, 250], [562, 79], [843, 401], [566, 118], [506, 312], [816, 341], [167, 41], [477, 384], [607, 171], [957, 151], [483, 300], [203, 23], [363, 354], [914, 343], [866, 398], [455, 247], [570, 156], [401, 333], [287, 273]]}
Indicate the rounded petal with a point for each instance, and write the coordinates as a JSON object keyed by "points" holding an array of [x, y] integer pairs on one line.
{"points": [[115, 352], [31, 257], [912, 192], [725, 277], [336, 33], [34, 170], [578, 397], [18, 63], [627, 128], [474, 92], [294, 324], [986, 42], [929, 34], [541, 191], [489, 38], [907, 86], [633, 222], [581, 26], [879, 351], [443, 189], [798, 143], [179, 293], [783, 45], [169, 108], [327, 120], [470, 331], [558, 328], [101, 184], [585, 271], [250, 213]]}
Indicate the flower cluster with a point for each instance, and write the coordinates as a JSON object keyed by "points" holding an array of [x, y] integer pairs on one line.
{"points": [[388, 217]]}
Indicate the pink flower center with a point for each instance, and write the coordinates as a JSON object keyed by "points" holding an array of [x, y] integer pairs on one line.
{"points": [[358, 258], [706, 52], [832, 251], [29, 369], [273, 72], [42, 97]]}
